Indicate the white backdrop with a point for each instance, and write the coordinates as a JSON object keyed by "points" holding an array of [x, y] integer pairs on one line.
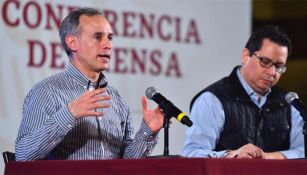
{"points": [[177, 46]]}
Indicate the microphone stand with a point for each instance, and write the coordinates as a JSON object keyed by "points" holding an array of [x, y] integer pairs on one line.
{"points": [[166, 122], [166, 135]]}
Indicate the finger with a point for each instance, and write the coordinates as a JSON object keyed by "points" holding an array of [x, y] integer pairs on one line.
{"points": [[252, 154], [232, 154], [100, 98], [259, 153], [249, 151], [144, 103], [244, 155], [100, 105], [255, 151], [158, 110]]}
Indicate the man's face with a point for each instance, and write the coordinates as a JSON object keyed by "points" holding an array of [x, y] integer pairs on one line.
{"points": [[260, 78], [94, 44]]}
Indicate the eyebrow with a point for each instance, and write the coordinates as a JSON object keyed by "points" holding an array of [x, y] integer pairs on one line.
{"points": [[103, 33]]}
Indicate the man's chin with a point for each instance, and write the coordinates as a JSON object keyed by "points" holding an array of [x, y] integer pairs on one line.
{"points": [[103, 68]]}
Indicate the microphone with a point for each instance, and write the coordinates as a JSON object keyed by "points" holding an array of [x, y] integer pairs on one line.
{"points": [[292, 98], [168, 107]]}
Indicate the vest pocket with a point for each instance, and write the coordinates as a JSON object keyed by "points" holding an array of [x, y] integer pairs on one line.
{"points": [[276, 137]]}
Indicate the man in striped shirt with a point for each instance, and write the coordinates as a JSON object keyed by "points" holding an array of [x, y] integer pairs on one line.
{"points": [[75, 114]]}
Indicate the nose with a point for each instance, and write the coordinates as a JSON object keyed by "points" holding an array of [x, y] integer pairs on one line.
{"points": [[272, 70], [107, 44]]}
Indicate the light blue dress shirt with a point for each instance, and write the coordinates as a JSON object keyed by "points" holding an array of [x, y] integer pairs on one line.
{"points": [[208, 117]]}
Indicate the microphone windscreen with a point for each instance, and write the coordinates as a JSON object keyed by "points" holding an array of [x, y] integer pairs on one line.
{"points": [[290, 96], [150, 92]]}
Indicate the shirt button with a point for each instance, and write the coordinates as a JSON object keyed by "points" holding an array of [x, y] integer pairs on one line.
{"points": [[69, 126], [91, 88], [145, 133]]}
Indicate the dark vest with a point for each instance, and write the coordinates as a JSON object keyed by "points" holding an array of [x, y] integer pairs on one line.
{"points": [[268, 128]]}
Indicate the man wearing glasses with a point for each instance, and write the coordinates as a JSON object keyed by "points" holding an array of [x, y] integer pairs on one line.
{"points": [[245, 115]]}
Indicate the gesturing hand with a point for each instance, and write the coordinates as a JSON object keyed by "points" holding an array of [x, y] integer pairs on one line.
{"points": [[85, 104], [153, 118]]}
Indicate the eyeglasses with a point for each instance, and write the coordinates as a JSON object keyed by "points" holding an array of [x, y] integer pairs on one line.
{"points": [[267, 63]]}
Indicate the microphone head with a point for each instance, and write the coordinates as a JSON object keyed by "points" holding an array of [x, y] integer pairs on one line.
{"points": [[150, 92], [291, 96]]}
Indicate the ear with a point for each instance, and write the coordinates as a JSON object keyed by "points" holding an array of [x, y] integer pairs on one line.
{"points": [[72, 42], [245, 56]]}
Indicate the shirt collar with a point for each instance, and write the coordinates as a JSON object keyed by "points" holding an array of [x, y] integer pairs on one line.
{"points": [[82, 79]]}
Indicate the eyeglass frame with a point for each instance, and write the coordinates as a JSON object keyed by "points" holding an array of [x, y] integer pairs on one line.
{"points": [[268, 63]]}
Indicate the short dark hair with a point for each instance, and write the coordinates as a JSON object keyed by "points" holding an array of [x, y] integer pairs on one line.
{"points": [[271, 32], [70, 24]]}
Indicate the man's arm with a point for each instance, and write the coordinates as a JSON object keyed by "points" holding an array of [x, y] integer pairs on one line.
{"points": [[142, 144], [42, 126], [296, 149], [146, 138], [208, 117]]}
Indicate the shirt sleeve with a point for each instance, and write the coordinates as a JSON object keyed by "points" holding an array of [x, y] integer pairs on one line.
{"points": [[208, 117], [296, 136], [143, 143], [43, 125]]}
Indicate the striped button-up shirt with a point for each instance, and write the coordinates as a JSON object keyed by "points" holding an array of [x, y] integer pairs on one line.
{"points": [[49, 131]]}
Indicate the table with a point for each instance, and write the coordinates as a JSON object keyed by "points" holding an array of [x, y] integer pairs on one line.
{"points": [[158, 166]]}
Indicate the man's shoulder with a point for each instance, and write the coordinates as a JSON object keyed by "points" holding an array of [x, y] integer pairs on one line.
{"points": [[53, 79], [214, 88], [49, 82], [219, 84]]}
